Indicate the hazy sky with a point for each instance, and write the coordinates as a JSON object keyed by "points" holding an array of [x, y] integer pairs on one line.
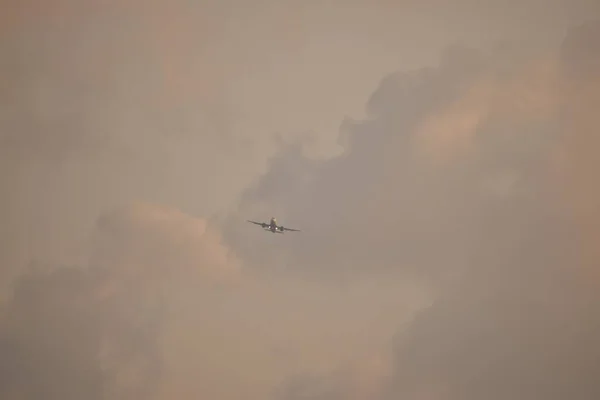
{"points": [[439, 158]]}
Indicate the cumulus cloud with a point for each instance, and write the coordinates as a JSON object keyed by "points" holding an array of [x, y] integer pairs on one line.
{"points": [[470, 181], [152, 241], [163, 308], [498, 215], [111, 101], [418, 175], [93, 331]]}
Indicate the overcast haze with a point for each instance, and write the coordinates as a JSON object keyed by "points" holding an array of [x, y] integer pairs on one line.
{"points": [[440, 160]]}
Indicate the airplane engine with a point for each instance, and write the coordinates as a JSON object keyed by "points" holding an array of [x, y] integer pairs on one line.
{"points": [[281, 228]]}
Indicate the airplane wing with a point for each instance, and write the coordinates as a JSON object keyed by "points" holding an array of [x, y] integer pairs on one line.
{"points": [[257, 223], [290, 229]]}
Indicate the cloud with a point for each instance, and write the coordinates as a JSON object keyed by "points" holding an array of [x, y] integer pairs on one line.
{"points": [[163, 308], [498, 215], [361, 379], [146, 240], [114, 101], [576, 160], [454, 133], [453, 186], [527, 92], [94, 331]]}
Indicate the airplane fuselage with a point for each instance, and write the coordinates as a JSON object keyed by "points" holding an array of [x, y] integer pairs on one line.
{"points": [[273, 227]]}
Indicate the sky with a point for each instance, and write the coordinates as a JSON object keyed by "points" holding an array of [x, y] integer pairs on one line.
{"points": [[439, 160]]}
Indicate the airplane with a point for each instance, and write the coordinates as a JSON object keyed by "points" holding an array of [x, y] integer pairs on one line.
{"points": [[273, 227]]}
